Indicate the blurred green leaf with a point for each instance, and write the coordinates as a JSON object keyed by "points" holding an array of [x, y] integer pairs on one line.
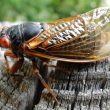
{"points": [[43, 10]]}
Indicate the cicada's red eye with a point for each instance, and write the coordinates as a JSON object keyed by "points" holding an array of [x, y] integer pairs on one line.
{"points": [[5, 42]]}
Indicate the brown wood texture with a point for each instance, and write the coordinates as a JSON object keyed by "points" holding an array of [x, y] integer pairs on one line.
{"points": [[17, 92], [79, 87]]}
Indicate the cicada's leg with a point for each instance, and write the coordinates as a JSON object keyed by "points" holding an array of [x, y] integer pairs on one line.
{"points": [[17, 65], [36, 72]]}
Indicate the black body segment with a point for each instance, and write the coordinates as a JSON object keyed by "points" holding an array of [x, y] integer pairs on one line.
{"points": [[18, 34]]}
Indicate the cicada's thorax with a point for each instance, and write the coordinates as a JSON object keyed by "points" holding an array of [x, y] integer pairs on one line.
{"points": [[21, 33]]}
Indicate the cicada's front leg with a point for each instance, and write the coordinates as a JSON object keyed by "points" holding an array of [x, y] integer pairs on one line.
{"points": [[17, 65], [36, 72]]}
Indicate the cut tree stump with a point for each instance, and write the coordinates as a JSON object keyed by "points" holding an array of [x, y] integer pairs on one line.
{"points": [[78, 87]]}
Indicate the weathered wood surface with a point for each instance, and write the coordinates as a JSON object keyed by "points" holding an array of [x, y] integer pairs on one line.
{"points": [[80, 87], [23, 90], [17, 92]]}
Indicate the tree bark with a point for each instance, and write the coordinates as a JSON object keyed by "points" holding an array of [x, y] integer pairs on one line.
{"points": [[21, 91], [17, 92], [79, 87]]}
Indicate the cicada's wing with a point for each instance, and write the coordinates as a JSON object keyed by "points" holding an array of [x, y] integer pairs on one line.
{"points": [[52, 29], [81, 39], [87, 40]]}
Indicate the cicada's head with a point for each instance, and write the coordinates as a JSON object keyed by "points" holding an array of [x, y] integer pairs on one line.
{"points": [[4, 40]]}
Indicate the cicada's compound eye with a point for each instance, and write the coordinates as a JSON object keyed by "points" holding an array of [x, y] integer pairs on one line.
{"points": [[4, 42]]}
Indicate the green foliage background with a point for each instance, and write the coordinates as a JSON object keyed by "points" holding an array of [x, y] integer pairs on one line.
{"points": [[43, 10]]}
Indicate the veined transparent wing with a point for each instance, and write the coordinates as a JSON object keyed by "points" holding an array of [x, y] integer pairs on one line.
{"points": [[83, 38]]}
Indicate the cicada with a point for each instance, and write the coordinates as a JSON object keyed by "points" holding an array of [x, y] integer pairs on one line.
{"points": [[79, 39]]}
